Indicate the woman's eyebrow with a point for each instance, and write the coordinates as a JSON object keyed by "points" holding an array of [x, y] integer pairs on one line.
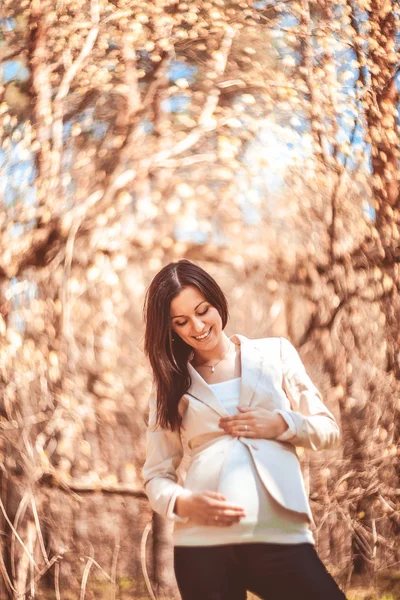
{"points": [[195, 308]]}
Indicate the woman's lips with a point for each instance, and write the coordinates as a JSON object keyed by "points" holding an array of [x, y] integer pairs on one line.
{"points": [[206, 338]]}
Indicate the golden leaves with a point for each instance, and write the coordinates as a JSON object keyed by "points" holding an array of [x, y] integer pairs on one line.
{"points": [[227, 148], [289, 61]]}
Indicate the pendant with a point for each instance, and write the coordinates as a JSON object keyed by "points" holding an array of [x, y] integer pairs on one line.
{"points": [[212, 369]]}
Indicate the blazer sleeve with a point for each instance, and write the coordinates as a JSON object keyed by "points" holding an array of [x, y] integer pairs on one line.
{"points": [[164, 453], [315, 426]]}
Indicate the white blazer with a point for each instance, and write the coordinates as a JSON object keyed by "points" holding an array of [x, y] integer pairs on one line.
{"points": [[273, 377]]}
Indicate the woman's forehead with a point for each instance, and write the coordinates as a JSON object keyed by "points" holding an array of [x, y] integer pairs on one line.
{"points": [[187, 299]]}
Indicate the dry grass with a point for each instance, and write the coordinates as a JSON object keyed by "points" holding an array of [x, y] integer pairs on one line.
{"points": [[387, 588]]}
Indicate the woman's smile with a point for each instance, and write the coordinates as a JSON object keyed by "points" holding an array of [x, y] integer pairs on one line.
{"points": [[204, 336]]}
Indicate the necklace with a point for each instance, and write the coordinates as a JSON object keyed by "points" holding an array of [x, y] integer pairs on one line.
{"points": [[212, 367]]}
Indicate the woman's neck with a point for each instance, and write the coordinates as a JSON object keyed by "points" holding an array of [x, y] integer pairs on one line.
{"points": [[214, 355]]}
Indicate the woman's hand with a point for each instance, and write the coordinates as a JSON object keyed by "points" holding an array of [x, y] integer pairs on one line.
{"points": [[208, 508], [254, 422]]}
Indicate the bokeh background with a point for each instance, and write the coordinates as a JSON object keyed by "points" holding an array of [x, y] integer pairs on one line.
{"points": [[259, 139]]}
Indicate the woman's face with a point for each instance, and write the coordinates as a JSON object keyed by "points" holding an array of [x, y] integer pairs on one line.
{"points": [[192, 316]]}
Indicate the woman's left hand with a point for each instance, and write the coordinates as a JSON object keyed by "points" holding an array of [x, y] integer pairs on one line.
{"points": [[255, 422]]}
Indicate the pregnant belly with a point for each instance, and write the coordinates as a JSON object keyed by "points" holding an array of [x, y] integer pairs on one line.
{"points": [[230, 470], [241, 484]]}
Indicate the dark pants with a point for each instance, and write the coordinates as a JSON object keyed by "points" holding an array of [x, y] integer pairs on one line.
{"points": [[271, 571]]}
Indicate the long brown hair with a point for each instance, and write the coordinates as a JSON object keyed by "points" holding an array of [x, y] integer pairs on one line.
{"points": [[169, 357]]}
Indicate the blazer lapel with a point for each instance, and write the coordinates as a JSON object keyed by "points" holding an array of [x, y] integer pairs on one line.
{"points": [[201, 391], [252, 362], [251, 367]]}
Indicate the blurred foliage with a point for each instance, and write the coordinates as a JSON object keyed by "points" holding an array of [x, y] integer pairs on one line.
{"points": [[260, 139]]}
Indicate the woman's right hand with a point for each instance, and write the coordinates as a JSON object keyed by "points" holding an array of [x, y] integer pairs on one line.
{"points": [[203, 508]]}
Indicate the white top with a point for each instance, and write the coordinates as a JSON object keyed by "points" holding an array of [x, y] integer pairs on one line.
{"points": [[266, 520]]}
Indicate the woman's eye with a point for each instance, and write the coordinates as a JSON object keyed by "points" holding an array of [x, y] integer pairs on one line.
{"points": [[200, 315]]}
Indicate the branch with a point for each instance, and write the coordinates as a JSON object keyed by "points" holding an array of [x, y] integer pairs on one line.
{"points": [[187, 161], [130, 74], [41, 88], [39, 575], [25, 549], [307, 63], [69, 76], [357, 46], [13, 54], [71, 73], [76, 485]]}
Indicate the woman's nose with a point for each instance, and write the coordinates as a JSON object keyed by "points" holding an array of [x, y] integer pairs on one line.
{"points": [[198, 325]]}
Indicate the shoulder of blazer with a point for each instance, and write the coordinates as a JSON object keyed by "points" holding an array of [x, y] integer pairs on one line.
{"points": [[269, 347], [267, 343]]}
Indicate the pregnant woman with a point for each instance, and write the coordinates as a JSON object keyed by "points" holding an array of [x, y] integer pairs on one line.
{"points": [[242, 517]]}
